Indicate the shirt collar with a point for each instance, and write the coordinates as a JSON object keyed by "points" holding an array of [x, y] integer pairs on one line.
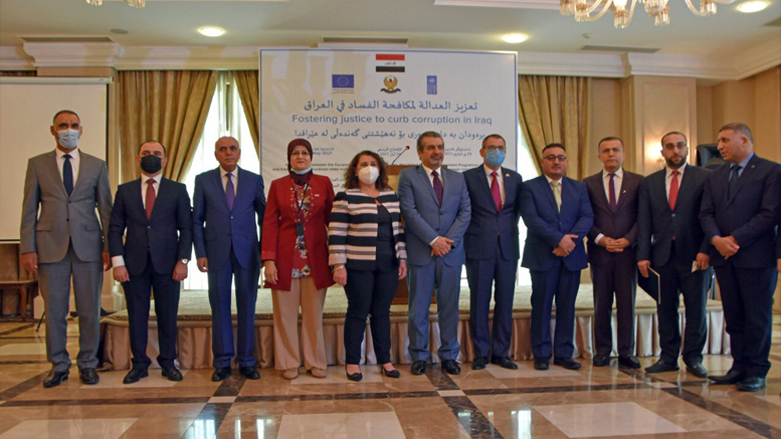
{"points": [[488, 170], [157, 178], [619, 173], [745, 161], [668, 171], [74, 154], [429, 171], [235, 172], [550, 179]]}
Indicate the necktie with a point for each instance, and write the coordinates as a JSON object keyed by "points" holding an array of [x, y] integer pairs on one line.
{"points": [[555, 185], [150, 197], [67, 174], [612, 189], [733, 180], [230, 191], [437, 186], [673, 196], [496, 192]]}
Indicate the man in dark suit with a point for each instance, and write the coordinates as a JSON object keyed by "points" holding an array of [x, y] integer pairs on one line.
{"points": [[492, 252], [156, 213], [557, 212], [61, 239], [231, 202], [740, 211], [611, 253], [435, 206], [670, 239]]}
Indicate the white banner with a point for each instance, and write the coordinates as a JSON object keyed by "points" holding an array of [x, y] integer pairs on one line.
{"points": [[345, 101]]}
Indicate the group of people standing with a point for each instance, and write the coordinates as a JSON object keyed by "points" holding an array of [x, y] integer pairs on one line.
{"points": [[677, 222]]}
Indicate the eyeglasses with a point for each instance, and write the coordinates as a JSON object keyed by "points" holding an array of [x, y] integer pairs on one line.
{"points": [[553, 158], [494, 147]]}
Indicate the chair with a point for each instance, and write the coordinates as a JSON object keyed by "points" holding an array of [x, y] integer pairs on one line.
{"points": [[14, 278]]}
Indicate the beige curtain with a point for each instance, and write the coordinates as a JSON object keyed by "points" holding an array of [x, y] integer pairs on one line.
{"points": [[555, 109], [168, 106], [247, 85]]}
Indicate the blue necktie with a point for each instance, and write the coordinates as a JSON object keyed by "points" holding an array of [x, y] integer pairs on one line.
{"points": [[733, 181], [67, 175], [230, 191]]}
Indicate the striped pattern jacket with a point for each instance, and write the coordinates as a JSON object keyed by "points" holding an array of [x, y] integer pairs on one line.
{"points": [[352, 234]]}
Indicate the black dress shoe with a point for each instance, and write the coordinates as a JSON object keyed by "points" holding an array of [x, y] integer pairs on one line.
{"points": [[418, 367], [697, 369], [541, 364], [172, 374], [221, 373], [357, 376], [89, 376], [250, 372], [451, 367], [600, 360], [391, 373], [135, 375], [662, 366], [567, 363], [731, 377], [751, 384], [55, 378], [504, 362], [479, 363], [629, 361]]}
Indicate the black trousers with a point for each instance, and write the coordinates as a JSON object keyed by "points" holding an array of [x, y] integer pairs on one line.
{"points": [[747, 296], [678, 279], [370, 292], [138, 292], [620, 279]]}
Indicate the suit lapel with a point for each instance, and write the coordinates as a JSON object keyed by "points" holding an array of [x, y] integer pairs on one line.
{"points": [[243, 190], [621, 191], [600, 189], [217, 179], [136, 196], [509, 186], [743, 177], [422, 174], [162, 191], [82, 165], [548, 190], [661, 191], [54, 170]]}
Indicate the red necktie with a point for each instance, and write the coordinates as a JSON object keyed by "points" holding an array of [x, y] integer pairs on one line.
{"points": [[496, 192], [150, 197], [438, 189], [673, 196]]}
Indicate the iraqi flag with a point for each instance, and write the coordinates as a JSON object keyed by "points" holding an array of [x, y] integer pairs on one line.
{"points": [[388, 62]]}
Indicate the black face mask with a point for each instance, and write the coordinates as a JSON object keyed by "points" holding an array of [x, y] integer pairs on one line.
{"points": [[151, 164]]}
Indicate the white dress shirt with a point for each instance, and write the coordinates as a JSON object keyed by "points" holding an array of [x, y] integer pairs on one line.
{"points": [[617, 180], [119, 261], [668, 178], [74, 161], [499, 179], [235, 178]]}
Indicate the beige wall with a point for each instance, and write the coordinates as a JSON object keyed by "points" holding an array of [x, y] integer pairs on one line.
{"points": [[607, 111]]}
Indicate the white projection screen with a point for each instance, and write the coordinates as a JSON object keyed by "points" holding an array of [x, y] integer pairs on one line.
{"points": [[27, 105], [345, 101]]}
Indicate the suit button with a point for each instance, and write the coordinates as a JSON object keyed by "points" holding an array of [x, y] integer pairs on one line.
{"points": [[148, 227], [673, 215], [231, 217]]}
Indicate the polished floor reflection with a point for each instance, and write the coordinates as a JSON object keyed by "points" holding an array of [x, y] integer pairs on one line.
{"points": [[607, 402]]}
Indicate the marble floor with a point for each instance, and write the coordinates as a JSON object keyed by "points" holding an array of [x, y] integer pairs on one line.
{"points": [[593, 402]]}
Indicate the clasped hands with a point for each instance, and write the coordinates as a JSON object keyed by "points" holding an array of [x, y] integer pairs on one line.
{"points": [[726, 246], [441, 246], [566, 245], [613, 245]]}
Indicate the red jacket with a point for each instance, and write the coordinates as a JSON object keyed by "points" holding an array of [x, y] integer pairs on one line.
{"points": [[279, 230]]}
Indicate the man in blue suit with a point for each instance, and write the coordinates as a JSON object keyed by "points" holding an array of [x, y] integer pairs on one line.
{"points": [[155, 211], [436, 210], [492, 252], [231, 202], [558, 215], [740, 210]]}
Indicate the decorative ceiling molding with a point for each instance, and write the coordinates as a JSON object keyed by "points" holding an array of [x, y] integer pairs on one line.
{"points": [[519, 4], [714, 67]]}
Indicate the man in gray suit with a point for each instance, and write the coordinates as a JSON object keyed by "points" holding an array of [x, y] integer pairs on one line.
{"points": [[67, 241]]}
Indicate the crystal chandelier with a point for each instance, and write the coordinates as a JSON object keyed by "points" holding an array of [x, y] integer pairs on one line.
{"points": [[133, 3], [590, 10]]}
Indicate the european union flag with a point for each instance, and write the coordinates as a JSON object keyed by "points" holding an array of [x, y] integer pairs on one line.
{"points": [[343, 81], [431, 85]]}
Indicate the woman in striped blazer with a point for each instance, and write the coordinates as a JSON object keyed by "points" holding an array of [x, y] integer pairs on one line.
{"points": [[367, 251]]}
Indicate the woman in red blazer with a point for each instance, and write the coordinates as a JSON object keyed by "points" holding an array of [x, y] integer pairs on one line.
{"points": [[295, 260]]}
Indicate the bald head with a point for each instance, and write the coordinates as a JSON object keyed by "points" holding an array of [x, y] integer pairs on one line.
{"points": [[227, 152]]}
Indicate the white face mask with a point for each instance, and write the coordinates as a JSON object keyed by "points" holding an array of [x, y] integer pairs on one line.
{"points": [[368, 175], [68, 139]]}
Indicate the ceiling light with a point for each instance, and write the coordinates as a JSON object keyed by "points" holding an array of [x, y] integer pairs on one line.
{"points": [[515, 38], [752, 6], [211, 31], [659, 10]]}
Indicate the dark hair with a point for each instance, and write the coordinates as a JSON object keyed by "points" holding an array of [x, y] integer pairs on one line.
{"points": [[165, 153], [675, 132], [491, 136], [609, 138], [351, 180], [740, 128], [553, 145], [64, 112], [428, 134]]}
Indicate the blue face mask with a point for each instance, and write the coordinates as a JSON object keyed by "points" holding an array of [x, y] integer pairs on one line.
{"points": [[494, 157], [295, 171], [68, 139]]}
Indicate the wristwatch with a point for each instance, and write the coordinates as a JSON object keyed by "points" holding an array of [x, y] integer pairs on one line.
{"points": [[184, 261]]}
